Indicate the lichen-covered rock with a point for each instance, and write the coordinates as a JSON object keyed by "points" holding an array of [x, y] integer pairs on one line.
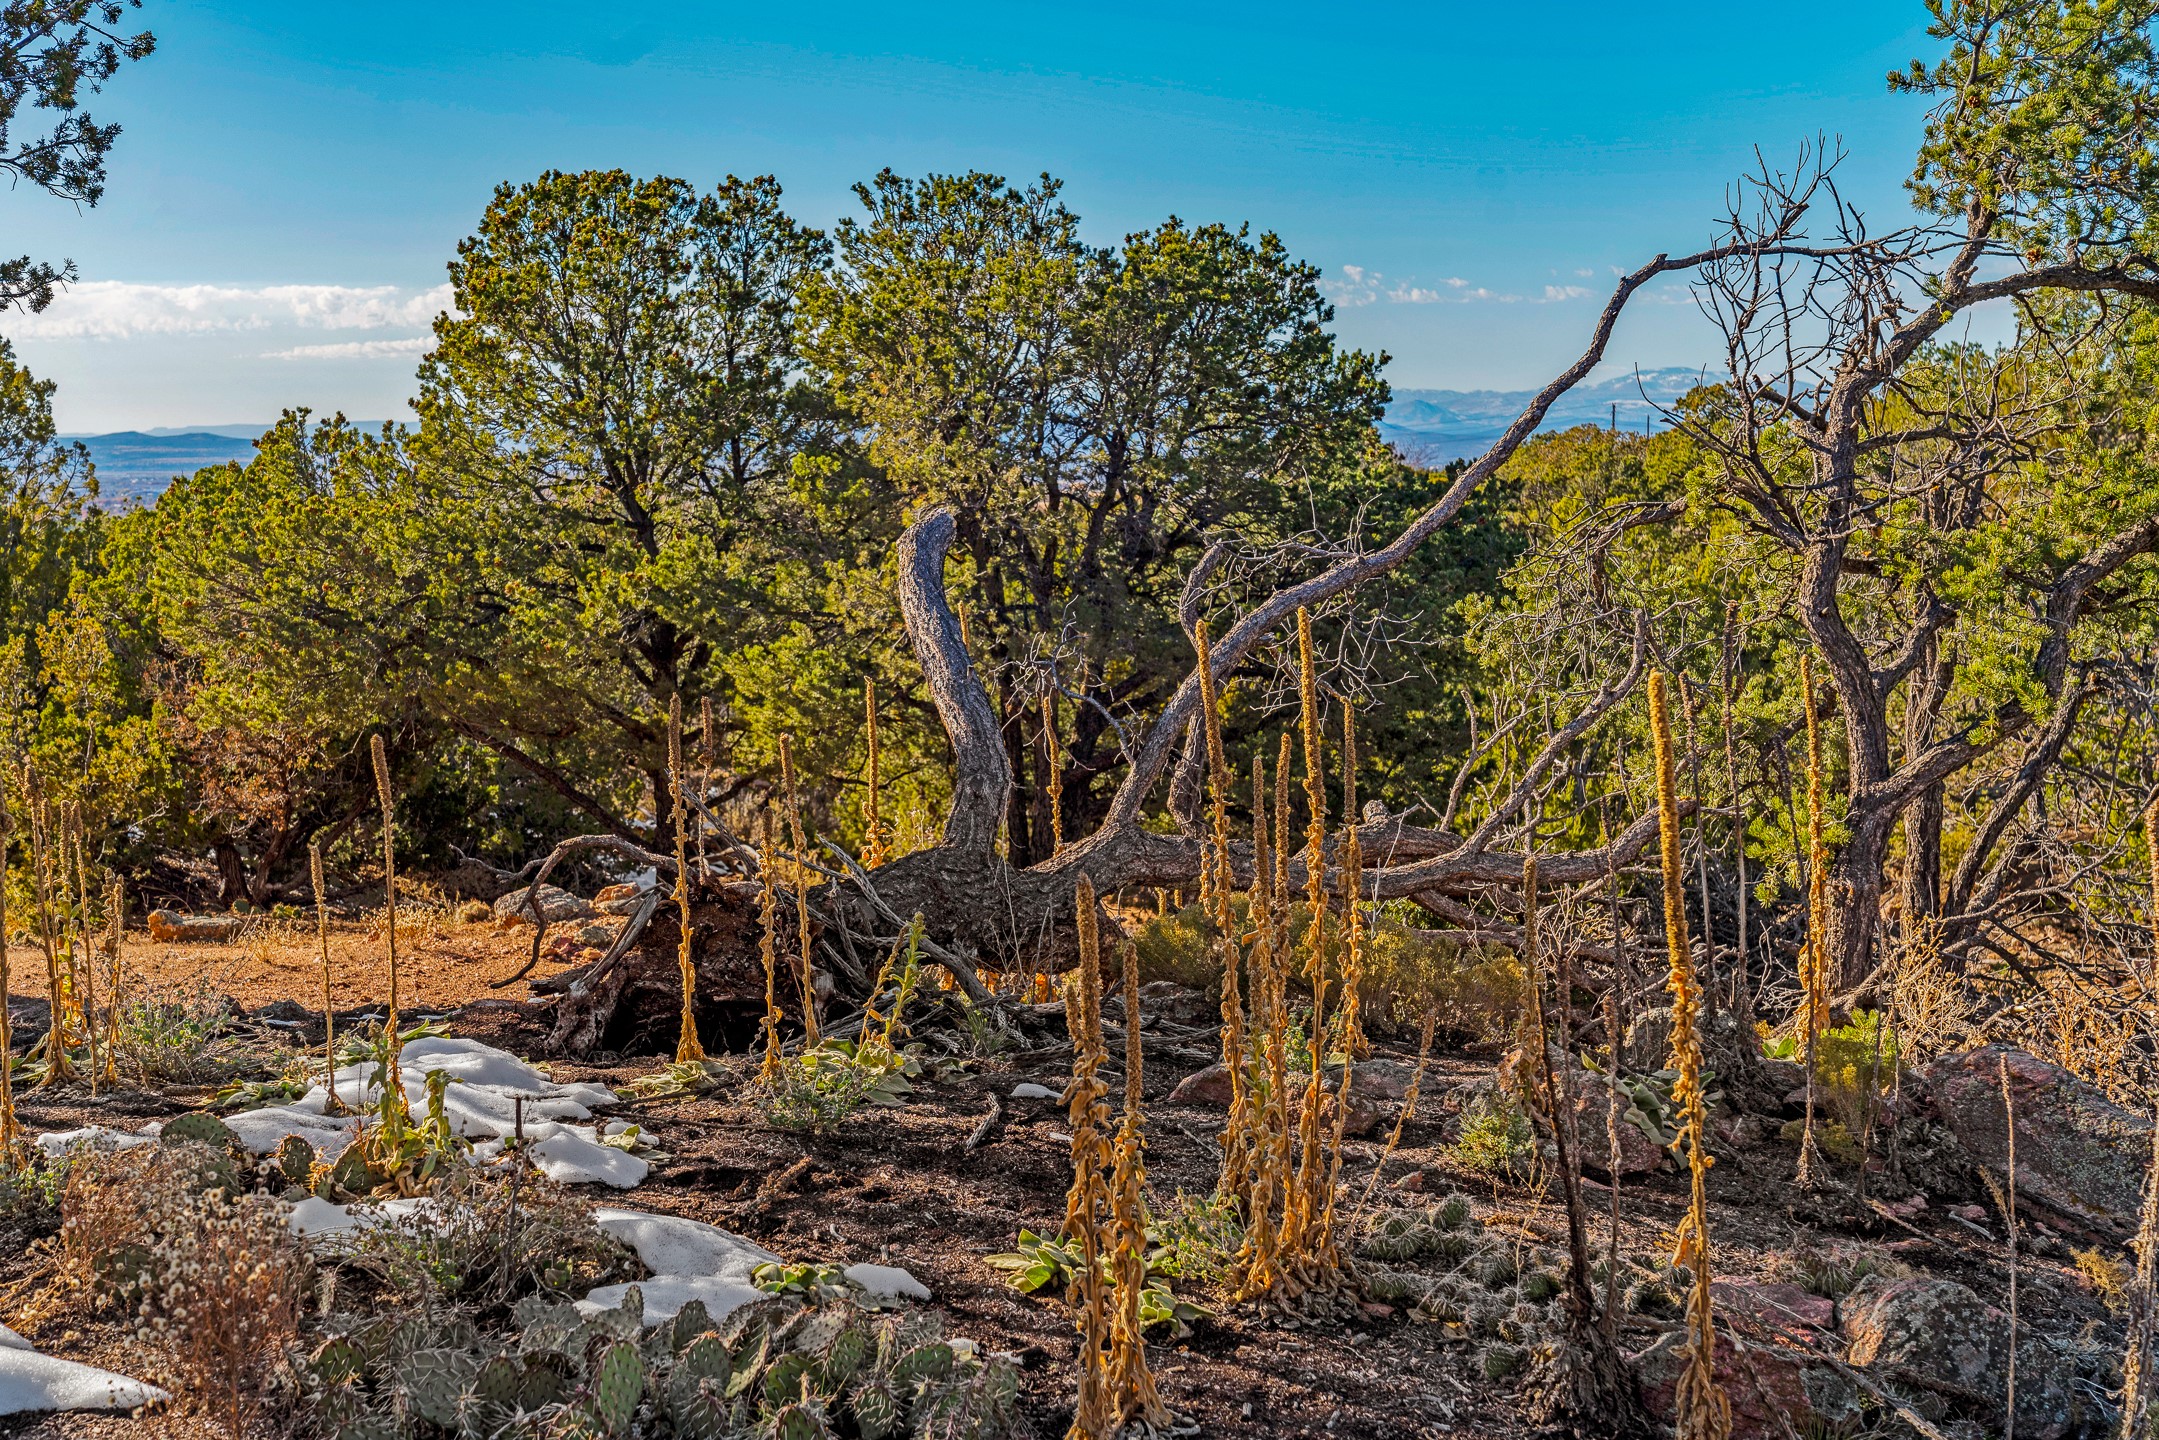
{"points": [[1777, 1304], [170, 927], [1925, 1328], [554, 903], [1524, 1081], [2078, 1154], [1774, 1392]]}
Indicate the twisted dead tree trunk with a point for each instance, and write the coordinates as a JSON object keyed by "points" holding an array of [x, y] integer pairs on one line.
{"points": [[998, 917]]}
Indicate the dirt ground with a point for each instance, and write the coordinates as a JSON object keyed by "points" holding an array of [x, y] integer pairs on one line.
{"points": [[901, 1187]]}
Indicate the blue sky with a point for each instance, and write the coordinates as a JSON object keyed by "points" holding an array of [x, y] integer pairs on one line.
{"points": [[293, 177]]}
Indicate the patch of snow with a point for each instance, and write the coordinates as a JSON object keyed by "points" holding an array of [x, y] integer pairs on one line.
{"points": [[571, 1159], [59, 1142], [665, 1295], [674, 1247], [262, 1131], [13, 1341], [887, 1282], [1028, 1090], [30, 1382], [317, 1216]]}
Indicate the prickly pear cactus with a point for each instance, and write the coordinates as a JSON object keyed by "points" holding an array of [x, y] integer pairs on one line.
{"points": [[618, 1383], [795, 1422], [876, 1409], [296, 1161], [435, 1382]]}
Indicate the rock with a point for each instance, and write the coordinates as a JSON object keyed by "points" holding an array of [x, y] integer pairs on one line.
{"points": [[1773, 1303], [1382, 1079], [620, 899], [554, 903], [170, 927], [1774, 1392], [599, 937], [283, 1012], [1731, 1053], [1206, 1089], [1783, 1077], [1940, 1331], [2079, 1155], [1638, 1154]]}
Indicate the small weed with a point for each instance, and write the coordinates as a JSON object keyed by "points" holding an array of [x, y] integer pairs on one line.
{"points": [[2110, 1279], [222, 1299], [1195, 1239], [170, 1034], [1495, 1139], [819, 1089]]}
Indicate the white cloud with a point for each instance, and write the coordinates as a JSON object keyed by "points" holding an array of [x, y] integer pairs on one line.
{"points": [[354, 350], [117, 309], [1359, 286]]}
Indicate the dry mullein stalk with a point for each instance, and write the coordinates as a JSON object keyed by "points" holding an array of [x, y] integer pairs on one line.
{"points": [[687, 1047], [85, 980], [329, 1000], [1236, 1133], [57, 1068], [1347, 1011], [768, 912], [1053, 764], [393, 1080], [2143, 1308], [873, 831], [1704, 1412], [1266, 1177], [10, 1128], [115, 939], [2151, 847], [802, 896], [1095, 1416], [1301, 1214], [1132, 1387], [1814, 959]]}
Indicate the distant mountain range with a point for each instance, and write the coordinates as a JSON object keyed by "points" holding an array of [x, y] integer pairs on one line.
{"points": [[1429, 426], [137, 465], [1435, 426]]}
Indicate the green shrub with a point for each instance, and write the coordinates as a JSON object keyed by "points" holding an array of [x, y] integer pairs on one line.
{"points": [[169, 1034], [1495, 1139], [1176, 946]]}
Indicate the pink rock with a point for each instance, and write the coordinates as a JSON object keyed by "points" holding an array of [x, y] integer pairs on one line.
{"points": [[1774, 1392], [1206, 1089], [1774, 1303]]}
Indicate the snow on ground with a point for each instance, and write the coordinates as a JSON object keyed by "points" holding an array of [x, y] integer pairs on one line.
{"points": [[665, 1295], [690, 1260], [887, 1282], [59, 1142], [671, 1245], [30, 1381], [482, 1104]]}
